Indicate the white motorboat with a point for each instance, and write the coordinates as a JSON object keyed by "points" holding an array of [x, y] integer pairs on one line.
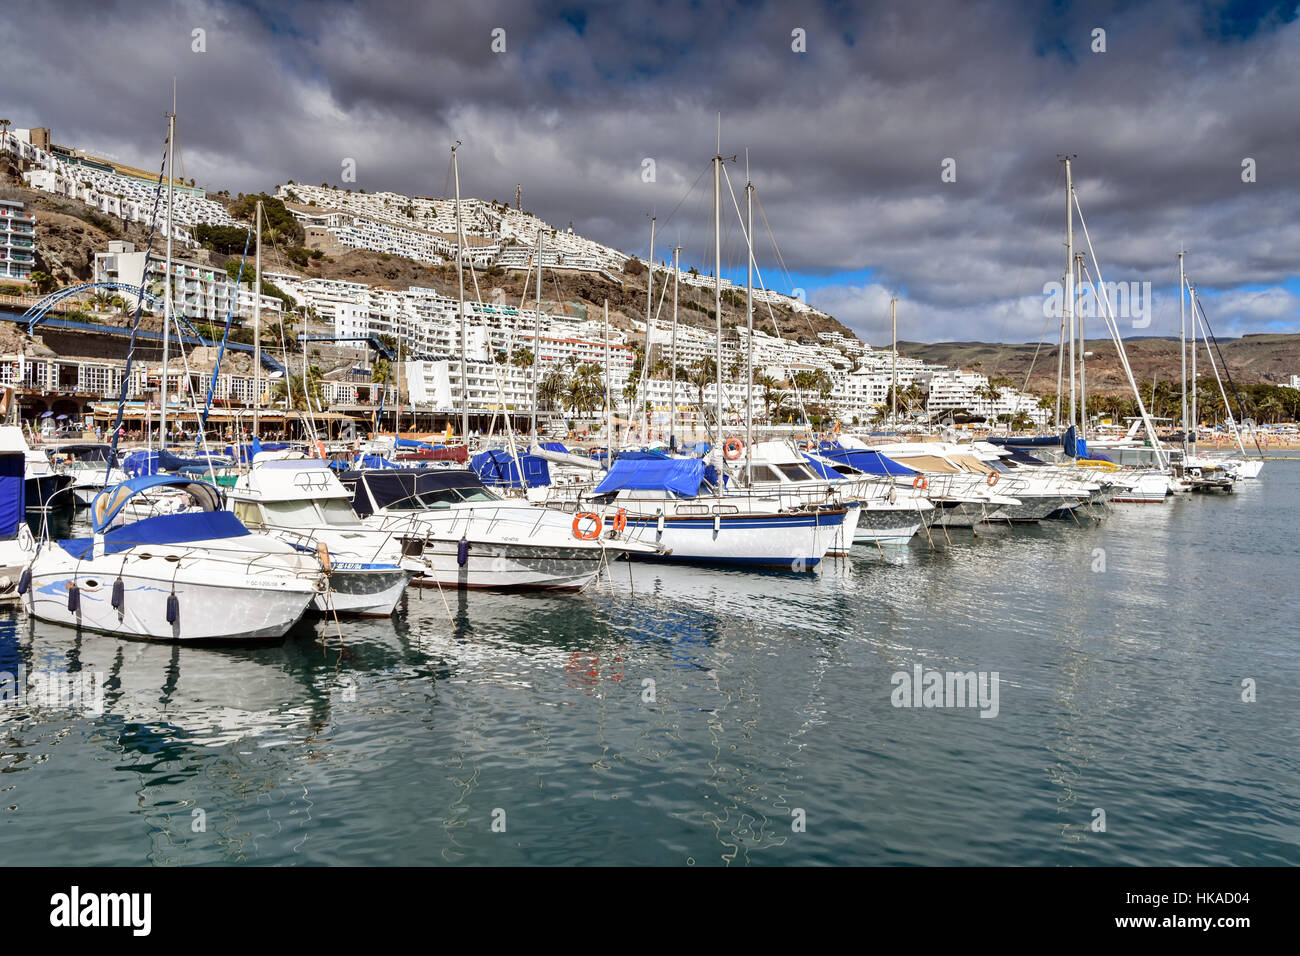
{"points": [[901, 513], [964, 492], [678, 503], [458, 533], [299, 500], [199, 576]]}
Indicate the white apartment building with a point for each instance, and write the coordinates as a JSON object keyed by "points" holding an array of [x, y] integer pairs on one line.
{"points": [[425, 229], [17, 241], [953, 389], [200, 292], [129, 196]]}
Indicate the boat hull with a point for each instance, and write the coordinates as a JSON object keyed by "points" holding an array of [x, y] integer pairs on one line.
{"points": [[367, 590], [1150, 488], [207, 612], [888, 526], [797, 542], [45, 492], [963, 514], [497, 565]]}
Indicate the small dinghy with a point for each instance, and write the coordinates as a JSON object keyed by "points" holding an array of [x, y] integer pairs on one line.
{"points": [[195, 576]]}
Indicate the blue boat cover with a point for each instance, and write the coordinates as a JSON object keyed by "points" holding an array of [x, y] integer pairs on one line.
{"points": [[555, 446], [140, 463], [870, 462], [1026, 441], [682, 476], [363, 462], [13, 500], [497, 466], [163, 529], [198, 462], [821, 469], [1023, 457], [640, 456]]}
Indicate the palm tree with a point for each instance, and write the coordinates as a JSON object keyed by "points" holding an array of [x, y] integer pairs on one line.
{"points": [[630, 391], [770, 393], [702, 374], [293, 387], [4, 126], [44, 282], [1270, 408]]}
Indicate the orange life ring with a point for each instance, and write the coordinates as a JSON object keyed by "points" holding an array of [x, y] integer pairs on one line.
{"points": [[733, 448], [320, 449], [586, 535], [920, 482], [993, 478], [619, 524]]}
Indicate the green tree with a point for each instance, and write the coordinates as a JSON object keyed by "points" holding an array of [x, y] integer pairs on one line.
{"points": [[44, 282], [293, 387], [702, 374]]}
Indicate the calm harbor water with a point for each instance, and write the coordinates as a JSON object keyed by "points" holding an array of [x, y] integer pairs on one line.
{"points": [[683, 716]]}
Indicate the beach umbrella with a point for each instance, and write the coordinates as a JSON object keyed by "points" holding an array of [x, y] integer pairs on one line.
{"points": [[61, 418], [46, 414]]}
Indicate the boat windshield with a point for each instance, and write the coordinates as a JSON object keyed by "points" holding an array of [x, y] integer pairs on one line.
{"points": [[442, 498], [311, 513], [796, 472]]}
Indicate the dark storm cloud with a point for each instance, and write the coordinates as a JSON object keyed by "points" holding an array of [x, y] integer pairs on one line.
{"points": [[845, 140]]}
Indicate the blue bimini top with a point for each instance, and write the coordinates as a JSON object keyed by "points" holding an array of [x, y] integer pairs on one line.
{"points": [[184, 528]]}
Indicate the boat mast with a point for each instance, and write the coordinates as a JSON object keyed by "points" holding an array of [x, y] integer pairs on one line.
{"points": [[460, 293], [167, 298], [537, 336], [717, 280], [1232, 419], [672, 393], [644, 409], [1196, 419], [609, 418], [1083, 354], [1060, 368], [749, 318], [257, 333], [893, 365], [1182, 340], [1069, 280]]}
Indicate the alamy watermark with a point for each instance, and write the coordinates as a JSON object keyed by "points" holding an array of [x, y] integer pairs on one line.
{"points": [[923, 688], [1128, 300], [83, 690]]}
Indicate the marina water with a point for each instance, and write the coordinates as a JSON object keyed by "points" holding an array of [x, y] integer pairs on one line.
{"points": [[686, 716]]}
